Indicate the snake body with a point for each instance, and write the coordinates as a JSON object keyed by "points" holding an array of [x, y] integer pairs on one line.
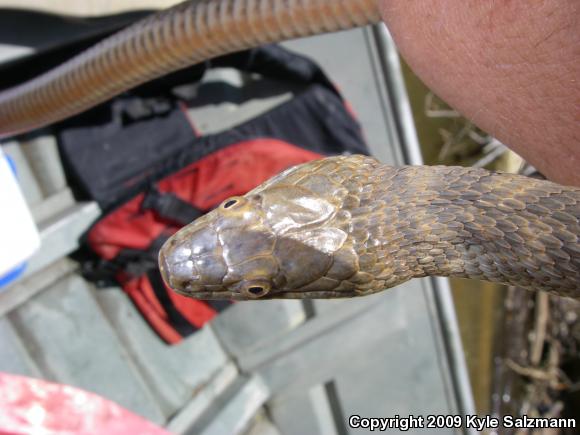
{"points": [[187, 34], [350, 226], [335, 228]]}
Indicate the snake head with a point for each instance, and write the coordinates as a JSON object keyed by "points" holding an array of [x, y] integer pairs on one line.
{"points": [[279, 240], [212, 255]]}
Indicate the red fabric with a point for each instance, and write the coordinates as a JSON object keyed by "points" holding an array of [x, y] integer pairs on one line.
{"points": [[141, 292], [197, 314], [231, 171], [30, 406], [228, 172]]}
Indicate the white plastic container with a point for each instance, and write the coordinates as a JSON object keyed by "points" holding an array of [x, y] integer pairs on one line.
{"points": [[19, 238]]}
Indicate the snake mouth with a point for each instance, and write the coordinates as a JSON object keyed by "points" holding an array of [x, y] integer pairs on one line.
{"points": [[164, 268], [234, 296]]}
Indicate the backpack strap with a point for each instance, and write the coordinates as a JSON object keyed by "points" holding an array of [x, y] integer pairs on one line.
{"points": [[170, 207], [135, 262], [219, 304], [276, 62], [176, 319]]}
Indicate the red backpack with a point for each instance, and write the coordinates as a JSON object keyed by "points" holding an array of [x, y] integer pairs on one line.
{"points": [[199, 173]]}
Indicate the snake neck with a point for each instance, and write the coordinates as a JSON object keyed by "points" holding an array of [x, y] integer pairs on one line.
{"points": [[470, 223]]}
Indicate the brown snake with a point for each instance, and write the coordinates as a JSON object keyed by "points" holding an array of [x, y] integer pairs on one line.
{"points": [[336, 228], [349, 226], [183, 35]]}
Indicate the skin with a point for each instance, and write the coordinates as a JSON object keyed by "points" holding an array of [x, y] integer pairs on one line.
{"points": [[512, 67]]}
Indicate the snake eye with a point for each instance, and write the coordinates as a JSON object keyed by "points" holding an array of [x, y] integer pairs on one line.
{"points": [[230, 203], [255, 290]]}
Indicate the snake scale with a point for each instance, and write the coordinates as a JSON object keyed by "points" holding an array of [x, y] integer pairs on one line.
{"points": [[350, 226], [339, 227]]}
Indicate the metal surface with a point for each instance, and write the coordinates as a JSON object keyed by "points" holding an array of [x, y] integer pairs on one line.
{"points": [[361, 78], [60, 234], [40, 152], [201, 404], [60, 329], [13, 356], [21, 291], [234, 416]]}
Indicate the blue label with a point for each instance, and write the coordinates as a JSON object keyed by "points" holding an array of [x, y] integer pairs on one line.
{"points": [[7, 278], [12, 165]]}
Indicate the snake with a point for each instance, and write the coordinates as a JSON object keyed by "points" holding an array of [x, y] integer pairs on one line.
{"points": [[186, 34], [348, 226], [340, 227]]}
